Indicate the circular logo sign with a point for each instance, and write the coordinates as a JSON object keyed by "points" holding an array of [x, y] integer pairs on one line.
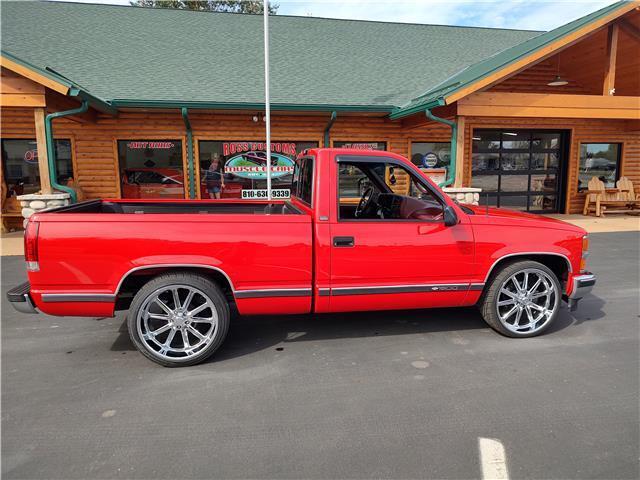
{"points": [[430, 160], [253, 165]]}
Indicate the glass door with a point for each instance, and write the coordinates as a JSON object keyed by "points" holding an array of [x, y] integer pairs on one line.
{"points": [[518, 169]]}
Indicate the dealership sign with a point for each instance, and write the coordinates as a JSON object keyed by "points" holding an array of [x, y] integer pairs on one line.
{"points": [[253, 165]]}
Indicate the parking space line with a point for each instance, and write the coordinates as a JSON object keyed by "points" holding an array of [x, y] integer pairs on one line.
{"points": [[492, 459]]}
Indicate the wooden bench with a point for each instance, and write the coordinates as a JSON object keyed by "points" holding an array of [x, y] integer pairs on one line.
{"points": [[600, 199], [6, 217], [626, 187]]}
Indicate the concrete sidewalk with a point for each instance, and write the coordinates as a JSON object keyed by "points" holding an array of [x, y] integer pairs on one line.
{"points": [[12, 243]]}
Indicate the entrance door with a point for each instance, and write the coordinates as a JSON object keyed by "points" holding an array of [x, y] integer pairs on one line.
{"points": [[519, 169]]}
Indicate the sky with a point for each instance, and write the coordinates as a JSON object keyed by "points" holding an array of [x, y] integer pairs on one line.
{"points": [[519, 14]]}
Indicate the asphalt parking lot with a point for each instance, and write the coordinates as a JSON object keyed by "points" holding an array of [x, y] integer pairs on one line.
{"points": [[375, 395]]}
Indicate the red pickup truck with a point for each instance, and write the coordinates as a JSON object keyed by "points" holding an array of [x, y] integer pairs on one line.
{"points": [[362, 231]]}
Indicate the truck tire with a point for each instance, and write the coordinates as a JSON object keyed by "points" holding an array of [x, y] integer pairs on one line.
{"points": [[178, 319], [522, 299]]}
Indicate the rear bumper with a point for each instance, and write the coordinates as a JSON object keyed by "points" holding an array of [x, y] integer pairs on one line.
{"points": [[582, 285], [20, 299]]}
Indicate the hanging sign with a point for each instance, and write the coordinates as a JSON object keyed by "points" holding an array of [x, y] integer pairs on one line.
{"points": [[361, 145], [145, 145]]}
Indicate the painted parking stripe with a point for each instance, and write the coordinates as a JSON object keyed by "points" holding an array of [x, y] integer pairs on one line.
{"points": [[492, 459]]}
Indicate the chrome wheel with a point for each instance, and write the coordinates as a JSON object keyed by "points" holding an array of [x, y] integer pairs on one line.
{"points": [[527, 301], [176, 322]]}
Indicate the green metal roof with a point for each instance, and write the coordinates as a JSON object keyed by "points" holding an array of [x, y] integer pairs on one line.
{"points": [[435, 95], [129, 56]]}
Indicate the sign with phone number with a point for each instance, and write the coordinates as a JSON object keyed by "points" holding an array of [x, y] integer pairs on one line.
{"points": [[262, 193]]}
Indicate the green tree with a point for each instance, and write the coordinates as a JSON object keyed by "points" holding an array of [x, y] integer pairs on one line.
{"points": [[233, 6]]}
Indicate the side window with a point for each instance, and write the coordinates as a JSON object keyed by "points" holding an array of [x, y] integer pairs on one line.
{"points": [[380, 190], [302, 184]]}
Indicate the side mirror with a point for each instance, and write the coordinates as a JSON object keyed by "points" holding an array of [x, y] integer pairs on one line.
{"points": [[450, 217]]}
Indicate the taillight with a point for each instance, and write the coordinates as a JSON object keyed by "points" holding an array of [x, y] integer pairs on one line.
{"points": [[31, 246], [585, 253]]}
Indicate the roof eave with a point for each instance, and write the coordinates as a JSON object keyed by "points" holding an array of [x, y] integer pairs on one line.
{"points": [[132, 103], [400, 113], [60, 84]]}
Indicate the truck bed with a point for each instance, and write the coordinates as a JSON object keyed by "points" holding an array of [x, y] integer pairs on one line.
{"points": [[90, 249], [181, 206]]}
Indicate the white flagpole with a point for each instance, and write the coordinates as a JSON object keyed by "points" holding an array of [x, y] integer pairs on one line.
{"points": [[267, 106]]}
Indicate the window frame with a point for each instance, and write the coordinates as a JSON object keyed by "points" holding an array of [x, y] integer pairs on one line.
{"points": [[599, 142], [68, 138], [297, 161], [151, 138], [197, 139], [380, 159], [560, 172]]}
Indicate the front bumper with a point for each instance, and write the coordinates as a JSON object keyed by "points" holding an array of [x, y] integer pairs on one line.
{"points": [[20, 298], [582, 285]]}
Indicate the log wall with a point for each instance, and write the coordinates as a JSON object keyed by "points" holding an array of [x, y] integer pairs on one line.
{"points": [[95, 162], [624, 132]]}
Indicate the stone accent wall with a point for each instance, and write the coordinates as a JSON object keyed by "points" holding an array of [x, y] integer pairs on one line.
{"points": [[464, 194], [36, 202]]}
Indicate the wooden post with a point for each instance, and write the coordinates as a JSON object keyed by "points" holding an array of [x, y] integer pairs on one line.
{"points": [[460, 153], [41, 140], [609, 86]]}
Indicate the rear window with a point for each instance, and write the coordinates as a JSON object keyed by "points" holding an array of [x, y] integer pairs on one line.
{"points": [[302, 186]]}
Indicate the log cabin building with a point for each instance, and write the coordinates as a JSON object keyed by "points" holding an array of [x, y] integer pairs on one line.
{"points": [[105, 101]]}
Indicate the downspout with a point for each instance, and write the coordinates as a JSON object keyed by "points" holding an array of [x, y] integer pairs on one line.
{"points": [[451, 172], [190, 165], [51, 151], [327, 129]]}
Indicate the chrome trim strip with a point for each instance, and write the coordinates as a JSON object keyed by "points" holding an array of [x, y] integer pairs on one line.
{"points": [[520, 254], [324, 292], [273, 292], [77, 297], [476, 286], [172, 265], [444, 287]]}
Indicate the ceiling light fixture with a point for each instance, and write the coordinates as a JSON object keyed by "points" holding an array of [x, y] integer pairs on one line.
{"points": [[558, 81]]}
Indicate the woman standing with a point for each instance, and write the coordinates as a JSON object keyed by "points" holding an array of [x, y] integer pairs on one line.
{"points": [[215, 176]]}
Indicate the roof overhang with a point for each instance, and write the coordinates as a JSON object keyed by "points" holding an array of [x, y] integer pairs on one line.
{"points": [[53, 81], [171, 104], [455, 91]]}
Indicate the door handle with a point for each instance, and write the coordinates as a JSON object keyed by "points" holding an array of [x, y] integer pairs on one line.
{"points": [[343, 242]]}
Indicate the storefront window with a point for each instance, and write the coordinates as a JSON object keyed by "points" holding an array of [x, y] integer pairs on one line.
{"points": [[237, 169], [20, 165], [361, 145], [151, 168], [600, 160], [431, 154]]}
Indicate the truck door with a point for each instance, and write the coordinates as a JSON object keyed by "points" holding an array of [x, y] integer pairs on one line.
{"points": [[390, 246]]}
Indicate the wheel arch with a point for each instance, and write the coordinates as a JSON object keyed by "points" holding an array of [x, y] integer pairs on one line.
{"points": [[558, 263], [133, 279]]}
